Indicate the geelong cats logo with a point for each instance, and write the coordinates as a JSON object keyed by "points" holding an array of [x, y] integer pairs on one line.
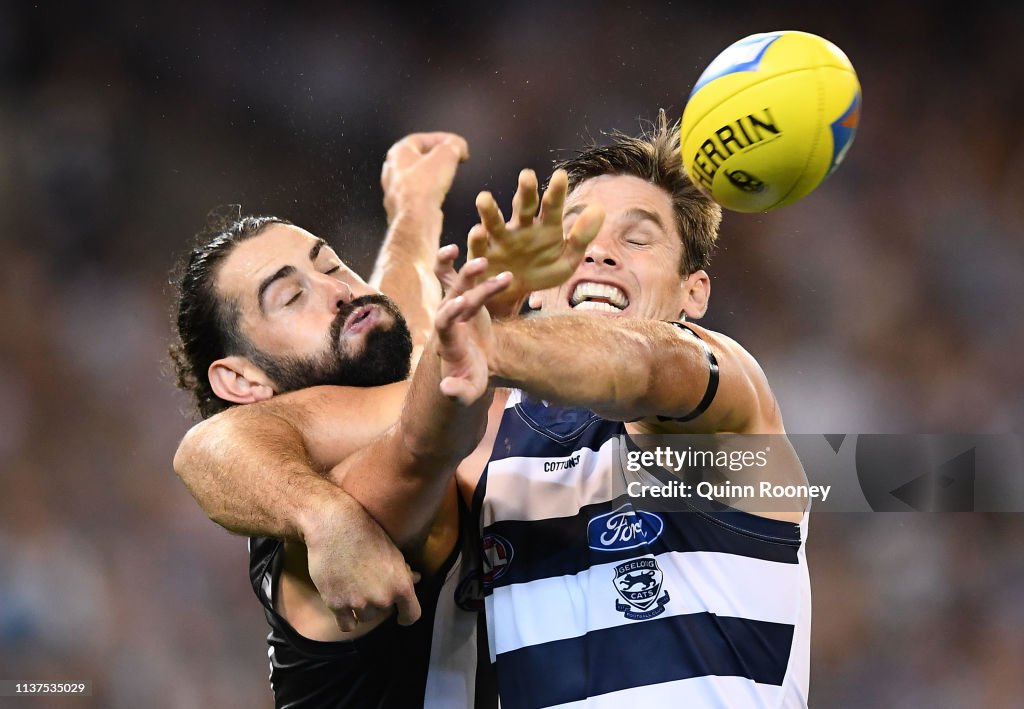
{"points": [[638, 582]]}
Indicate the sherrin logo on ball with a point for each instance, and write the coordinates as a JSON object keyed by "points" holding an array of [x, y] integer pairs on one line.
{"points": [[769, 119]]}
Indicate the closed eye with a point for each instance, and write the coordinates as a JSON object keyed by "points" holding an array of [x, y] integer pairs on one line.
{"points": [[294, 298], [332, 270]]}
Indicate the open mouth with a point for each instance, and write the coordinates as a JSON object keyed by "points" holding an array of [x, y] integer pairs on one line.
{"points": [[361, 319], [598, 296]]}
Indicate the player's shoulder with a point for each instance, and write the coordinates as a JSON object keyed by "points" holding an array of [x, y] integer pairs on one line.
{"points": [[719, 341], [730, 354], [688, 327]]}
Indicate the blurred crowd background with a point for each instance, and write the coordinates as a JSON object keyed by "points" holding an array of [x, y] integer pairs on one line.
{"points": [[888, 301]]}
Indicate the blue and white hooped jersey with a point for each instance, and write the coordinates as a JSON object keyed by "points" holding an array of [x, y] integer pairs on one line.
{"points": [[597, 599]]}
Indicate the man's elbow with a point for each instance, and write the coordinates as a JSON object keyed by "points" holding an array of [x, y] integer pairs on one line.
{"points": [[199, 454], [189, 451]]}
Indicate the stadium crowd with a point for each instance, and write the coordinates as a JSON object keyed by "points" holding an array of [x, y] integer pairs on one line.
{"points": [[888, 301]]}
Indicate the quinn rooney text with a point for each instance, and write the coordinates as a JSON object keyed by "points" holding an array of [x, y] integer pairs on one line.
{"points": [[710, 491]]}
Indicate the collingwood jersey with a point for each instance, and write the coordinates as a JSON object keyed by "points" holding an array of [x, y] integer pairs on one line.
{"points": [[597, 599], [431, 663]]}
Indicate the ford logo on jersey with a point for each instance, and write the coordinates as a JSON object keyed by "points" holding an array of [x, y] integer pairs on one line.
{"points": [[624, 528]]}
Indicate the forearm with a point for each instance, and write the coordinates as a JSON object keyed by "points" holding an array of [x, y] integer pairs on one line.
{"points": [[404, 267], [251, 474], [402, 477], [626, 368], [436, 427]]}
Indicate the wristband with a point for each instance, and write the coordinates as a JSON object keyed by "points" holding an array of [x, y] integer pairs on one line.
{"points": [[709, 393]]}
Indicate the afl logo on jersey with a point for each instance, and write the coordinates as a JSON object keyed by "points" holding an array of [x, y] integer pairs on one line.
{"points": [[497, 555], [624, 528], [469, 594]]}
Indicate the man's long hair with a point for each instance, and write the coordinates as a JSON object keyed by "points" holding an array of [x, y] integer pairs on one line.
{"points": [[206, 324]]}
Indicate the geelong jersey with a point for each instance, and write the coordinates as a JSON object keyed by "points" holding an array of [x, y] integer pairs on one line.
{"points": [[431, 663], [597, 599]]}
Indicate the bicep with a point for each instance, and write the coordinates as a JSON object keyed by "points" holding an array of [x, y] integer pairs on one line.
{"points": [[709, 384]]}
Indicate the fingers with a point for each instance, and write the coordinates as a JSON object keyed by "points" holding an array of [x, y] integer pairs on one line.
{"points": [[444, 266], [397, 594], [458, 284], [455, 145], [428, 142], [554, 199], [525, 201], [467, 276], [399, 157], [475, 298], [371, 612], [417, 144], [350, 616], [346, 619], [447, 315], [400, 596], [440, 151], [476, 242], [444, 158], [584, 230], [490, 215], [463, 391], [408, 606], [469, 303]]}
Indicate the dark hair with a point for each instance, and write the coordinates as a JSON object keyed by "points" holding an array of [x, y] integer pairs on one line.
{"points": [[655, 157], [207, 325]]}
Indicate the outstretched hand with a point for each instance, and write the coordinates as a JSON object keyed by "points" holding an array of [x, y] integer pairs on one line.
{"points": [[464, 338], [532, 245]]}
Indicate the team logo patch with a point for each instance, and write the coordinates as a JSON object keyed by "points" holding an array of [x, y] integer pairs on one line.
{"points": [[497, 555], [623, 528], [638, 582]]}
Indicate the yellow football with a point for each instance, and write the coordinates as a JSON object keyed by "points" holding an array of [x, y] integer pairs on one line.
{"points": [[769, 119]]}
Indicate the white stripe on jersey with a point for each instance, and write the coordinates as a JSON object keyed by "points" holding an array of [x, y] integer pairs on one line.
{"points": [[704, 692], [520, 489], [451, 679], [798, 672], [570, 606]]}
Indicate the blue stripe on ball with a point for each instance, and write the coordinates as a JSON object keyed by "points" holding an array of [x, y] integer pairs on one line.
{"points": [[744, 55], [843, 130]]}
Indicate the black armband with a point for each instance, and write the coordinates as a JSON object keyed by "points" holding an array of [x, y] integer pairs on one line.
{"points": [[709, 393]]}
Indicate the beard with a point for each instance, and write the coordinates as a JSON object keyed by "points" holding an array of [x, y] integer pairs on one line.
{"points": [[384, 357]]}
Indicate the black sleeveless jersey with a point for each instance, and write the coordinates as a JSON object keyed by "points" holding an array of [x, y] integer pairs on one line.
{"points": [[433, 662]]}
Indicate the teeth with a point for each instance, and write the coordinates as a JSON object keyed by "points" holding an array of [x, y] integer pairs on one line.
{"points": [[596, 305], [586, 290]]}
